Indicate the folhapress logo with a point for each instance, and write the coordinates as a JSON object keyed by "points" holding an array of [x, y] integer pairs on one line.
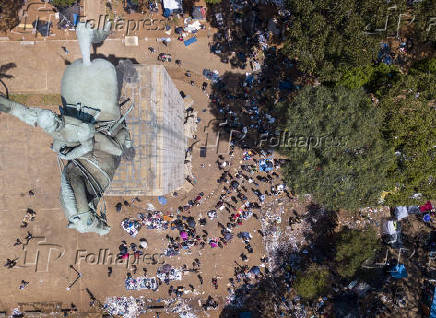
{"points": [[39, 253]]}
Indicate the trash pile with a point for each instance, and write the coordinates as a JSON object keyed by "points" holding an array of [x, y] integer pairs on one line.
{"points": [[181, 307], [131, 226], [155, 220], [141, 282], [127, 307], [167, 273]]}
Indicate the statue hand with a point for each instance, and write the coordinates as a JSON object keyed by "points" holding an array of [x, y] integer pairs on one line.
{"points": [[62, 156]]}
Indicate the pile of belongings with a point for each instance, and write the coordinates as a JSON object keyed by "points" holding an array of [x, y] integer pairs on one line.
{"points": [[131, 226], [247, 155], [128, 307], [199, 13], [167, 273], [402, 212], [213, 76], [193, 27], [68, 17], [391, 231], [141, 282], [155, 221]]}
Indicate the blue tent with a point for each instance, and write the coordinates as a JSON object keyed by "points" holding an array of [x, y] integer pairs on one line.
{"points": [[433, 306], [399, 271]]}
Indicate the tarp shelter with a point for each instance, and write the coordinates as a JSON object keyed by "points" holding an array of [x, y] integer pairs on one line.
{"points": [[399, 271], [266, 165], [175, 6], [43, 27], [245, 314], [199, 13], [433, 306], [389, 227], [69, 16], [190, 41], [255, 270], [401, 212], [413, 209]]}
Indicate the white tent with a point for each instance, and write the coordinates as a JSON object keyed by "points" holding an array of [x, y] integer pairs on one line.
{"points": [[401, 212], [389, 227], [172, 5]]}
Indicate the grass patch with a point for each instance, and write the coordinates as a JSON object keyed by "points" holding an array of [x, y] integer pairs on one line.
{"points": [[19, 98], [37, 99]]}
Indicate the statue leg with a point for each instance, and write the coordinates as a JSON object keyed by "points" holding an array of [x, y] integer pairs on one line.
{"points": [[75, 203], [106, 144]]}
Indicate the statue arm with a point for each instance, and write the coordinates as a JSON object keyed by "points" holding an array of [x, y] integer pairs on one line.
{"points": [[84, 148], [29, 115]]}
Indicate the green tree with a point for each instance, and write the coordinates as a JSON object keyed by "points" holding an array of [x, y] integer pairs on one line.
{"points": [[352, 249], [410, 128], [213, 1], [334, 147], [63, 3], [313, 282], [9, 14], [374, 78], [425, 23], [326, 35]]}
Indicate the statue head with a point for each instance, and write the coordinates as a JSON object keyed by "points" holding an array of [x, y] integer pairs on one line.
{"points": [[49, 121]]}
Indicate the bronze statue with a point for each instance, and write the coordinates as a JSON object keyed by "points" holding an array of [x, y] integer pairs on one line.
{"points": [[90, 132]]}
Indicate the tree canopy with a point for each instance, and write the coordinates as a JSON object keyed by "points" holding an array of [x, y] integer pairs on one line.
{"points": [[335, 149], [425, 21], [327, 35], [352, 249], [410, 127], [313, 282], [63, 3], [9, 14]]}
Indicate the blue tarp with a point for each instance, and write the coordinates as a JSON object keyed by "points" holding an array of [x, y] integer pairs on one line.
{"points": [[399, 271], [245, 314], [433, 306], [162, 200], [266, 165], [190, 41], [384, 54], [285, 86]]}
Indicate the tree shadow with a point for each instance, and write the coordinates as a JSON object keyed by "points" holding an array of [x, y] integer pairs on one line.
{"points": [[3, 70], [242, 30], [243, 105], [112, 58], [271, 295]]}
